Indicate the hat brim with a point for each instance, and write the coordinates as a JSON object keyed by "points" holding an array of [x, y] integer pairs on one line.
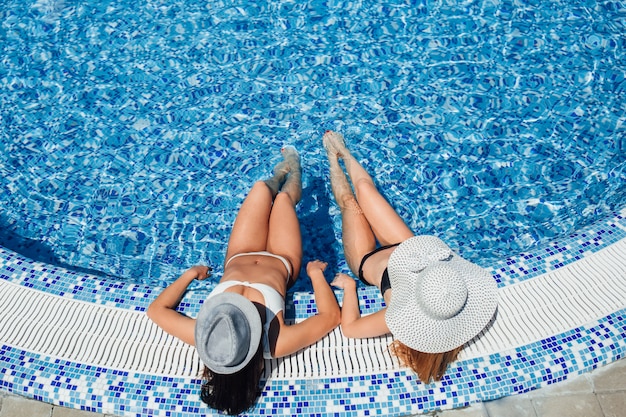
{"points": [[411, 326], [203, 328]]}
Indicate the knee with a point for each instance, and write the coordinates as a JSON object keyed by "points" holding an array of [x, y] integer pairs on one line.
{"points": [[283, 195], [261, 187], [364, 187]]}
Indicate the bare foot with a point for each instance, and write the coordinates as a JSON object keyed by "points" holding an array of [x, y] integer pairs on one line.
{"points": [[335, 144], [293, 183], [292, 157], [280, 172]]}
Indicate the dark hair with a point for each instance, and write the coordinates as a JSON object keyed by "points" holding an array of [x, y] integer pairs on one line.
{"points": [[233, 393]]}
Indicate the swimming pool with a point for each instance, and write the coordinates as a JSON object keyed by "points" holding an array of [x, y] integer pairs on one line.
{"points": [[133, 131]]}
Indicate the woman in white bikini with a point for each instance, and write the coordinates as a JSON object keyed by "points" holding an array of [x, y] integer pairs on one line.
{"points": [[242, 321], [435, 300]]}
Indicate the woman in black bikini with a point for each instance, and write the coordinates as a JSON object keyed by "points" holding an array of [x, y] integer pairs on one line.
{"points": [[439, 301]]}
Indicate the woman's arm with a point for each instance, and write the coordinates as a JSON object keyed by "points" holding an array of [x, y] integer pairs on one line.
{"points": [[162, 310], [300, 335], [352, 324]]}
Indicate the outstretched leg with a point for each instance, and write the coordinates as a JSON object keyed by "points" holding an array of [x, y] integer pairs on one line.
{"points": [[387, 226], [251, 228], [284, 237], [335, 144], [357, 236]]}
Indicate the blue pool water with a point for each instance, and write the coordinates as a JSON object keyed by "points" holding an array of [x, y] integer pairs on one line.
{"points": [[132, 130]]}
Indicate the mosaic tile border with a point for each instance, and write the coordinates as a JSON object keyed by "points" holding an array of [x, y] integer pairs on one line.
{"points": [[89, 288], [395, 393]]}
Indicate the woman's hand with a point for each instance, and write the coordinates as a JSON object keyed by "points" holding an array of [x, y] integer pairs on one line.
{"points": [[202, 272], [352, 324], [299, 335], [162, 310], [316, 265], [343, 281]]}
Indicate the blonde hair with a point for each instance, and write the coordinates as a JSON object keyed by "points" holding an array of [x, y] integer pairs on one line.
{"points": [[427, 366]]}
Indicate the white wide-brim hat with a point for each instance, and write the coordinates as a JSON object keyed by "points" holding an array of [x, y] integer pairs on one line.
{"points": [[439, 301], [227, 332]]}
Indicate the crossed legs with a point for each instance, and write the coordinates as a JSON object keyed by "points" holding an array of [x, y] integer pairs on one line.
{"points": [[267, 218]]}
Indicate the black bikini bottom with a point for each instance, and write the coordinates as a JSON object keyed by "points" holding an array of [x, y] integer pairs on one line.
{"points": [[385, 284]]}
